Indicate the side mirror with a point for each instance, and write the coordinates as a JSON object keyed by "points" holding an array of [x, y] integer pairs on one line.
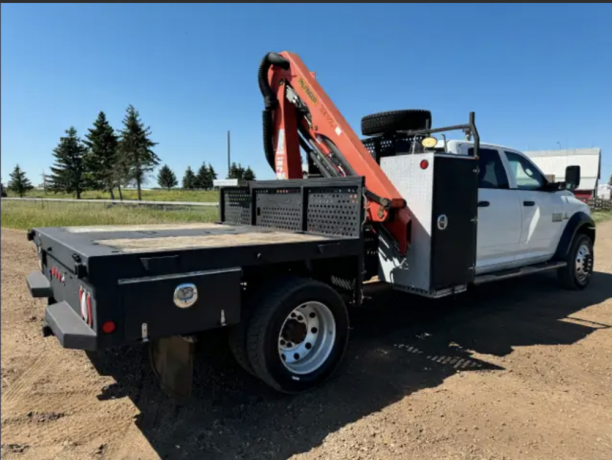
{"points": [[572, 177]]}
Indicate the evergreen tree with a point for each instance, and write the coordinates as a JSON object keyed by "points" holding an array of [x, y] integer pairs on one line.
{"points": [[212, 173], [610, 182], [67, 174], [18, 182], [101, 159], [189, 179], [166, 178], [2, 191], [135, 155], [248, 174], [204, 181], [236, 171]]}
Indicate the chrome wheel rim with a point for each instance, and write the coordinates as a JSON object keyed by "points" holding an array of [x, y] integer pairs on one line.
{"points": [[584, 263], [307, 338]]}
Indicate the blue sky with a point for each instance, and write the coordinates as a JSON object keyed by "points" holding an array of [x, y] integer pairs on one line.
{"points": [[538, 76]]}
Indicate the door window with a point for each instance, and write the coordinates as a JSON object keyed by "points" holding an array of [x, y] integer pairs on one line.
{"points": [[527, 177], [492, 173]]}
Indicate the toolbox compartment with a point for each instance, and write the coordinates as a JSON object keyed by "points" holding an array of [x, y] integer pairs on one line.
{"points": [[151, 312]]}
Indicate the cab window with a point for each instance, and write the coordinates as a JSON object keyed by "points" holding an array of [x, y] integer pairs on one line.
{"points": [[525, 174], [491, 171]]}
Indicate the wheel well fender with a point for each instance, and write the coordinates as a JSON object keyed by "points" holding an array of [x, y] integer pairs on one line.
{"points": [[579, 223]]}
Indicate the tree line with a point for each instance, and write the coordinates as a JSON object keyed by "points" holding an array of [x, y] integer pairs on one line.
{"points": [[108, 160], [203, 180]]}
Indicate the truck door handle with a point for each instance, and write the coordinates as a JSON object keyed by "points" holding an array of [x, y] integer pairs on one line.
{"points": [[528, 203], [483, 204]]}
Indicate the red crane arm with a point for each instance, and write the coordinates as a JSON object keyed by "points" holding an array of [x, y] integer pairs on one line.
{"points": [[297, 106]]}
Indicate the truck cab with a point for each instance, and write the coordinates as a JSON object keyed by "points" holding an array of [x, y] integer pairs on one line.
{"points": [[521, 214]]}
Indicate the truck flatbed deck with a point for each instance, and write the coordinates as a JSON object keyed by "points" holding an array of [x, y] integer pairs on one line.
{"points": [[114, 285], [100, 241]]}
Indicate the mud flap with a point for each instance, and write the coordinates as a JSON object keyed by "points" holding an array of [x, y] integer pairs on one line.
{"points": [[172, 362]]}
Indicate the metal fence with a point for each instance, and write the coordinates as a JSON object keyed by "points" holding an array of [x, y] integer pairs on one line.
{"points": [[599, 204]]}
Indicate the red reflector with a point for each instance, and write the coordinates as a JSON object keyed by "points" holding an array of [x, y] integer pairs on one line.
{"points": [[424, 164], [53, 272], [108, 327], [89, 316]]}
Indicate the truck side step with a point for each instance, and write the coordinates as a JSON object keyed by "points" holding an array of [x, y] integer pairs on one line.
{"points": [[505, 274]]}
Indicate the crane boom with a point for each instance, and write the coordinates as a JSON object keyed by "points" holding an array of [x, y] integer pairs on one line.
{"points": [[298, 113]]}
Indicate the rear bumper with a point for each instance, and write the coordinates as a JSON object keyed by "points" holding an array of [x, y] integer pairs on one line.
{"points": [[60, 318]]}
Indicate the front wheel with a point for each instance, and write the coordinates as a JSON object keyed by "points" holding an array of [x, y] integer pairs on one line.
{"points": [[577, 273], [297, 336]]}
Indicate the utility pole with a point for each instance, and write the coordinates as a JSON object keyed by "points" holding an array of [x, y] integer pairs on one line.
{"points": [[228, 153]]}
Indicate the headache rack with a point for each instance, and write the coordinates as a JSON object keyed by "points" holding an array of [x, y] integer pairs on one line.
{"points": [[409, 142]]}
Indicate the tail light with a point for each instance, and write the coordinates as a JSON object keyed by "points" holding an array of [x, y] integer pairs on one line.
{"points": [[85, 304], [108, 327]]}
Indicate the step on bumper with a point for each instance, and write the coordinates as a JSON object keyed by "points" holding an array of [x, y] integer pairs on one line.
{"points": [[39, 286], [69, 328]]}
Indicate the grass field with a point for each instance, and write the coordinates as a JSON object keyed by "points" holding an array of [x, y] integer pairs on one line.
{"points": [[601, 216], [147, 195], [25, 215]]}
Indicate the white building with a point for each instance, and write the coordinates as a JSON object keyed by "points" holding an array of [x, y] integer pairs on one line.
{"points": [[604, 191], [553, 163]]}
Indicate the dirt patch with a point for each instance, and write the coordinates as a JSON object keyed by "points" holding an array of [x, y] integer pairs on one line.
{"points": [[517, 370], [14, 448]]}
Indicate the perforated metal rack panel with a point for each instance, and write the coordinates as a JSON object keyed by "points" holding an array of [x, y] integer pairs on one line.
{"points": [[280, 208], [334, 211], [386, 146], [332, 207], [236, 204]]}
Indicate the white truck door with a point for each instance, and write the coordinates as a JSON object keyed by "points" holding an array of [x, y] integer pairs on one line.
{"points": [[499, 214], [542, 211]]}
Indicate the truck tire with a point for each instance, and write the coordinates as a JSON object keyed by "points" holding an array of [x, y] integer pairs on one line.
{"points": [[237, 345], [577, 273], [397, 120], [297, 336]]}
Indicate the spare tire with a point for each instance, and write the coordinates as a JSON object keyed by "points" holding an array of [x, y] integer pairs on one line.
{"points": [[397, 120]]}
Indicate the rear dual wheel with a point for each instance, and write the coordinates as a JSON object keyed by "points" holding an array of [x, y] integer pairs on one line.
{"points": [[294, 336]]}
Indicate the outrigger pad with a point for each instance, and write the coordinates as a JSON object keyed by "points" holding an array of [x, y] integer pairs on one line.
{"points": [[172, 362]]}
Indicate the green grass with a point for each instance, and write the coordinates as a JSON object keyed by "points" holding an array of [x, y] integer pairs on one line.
{"points": [[601, 216], [25, 215], [209, 196]]}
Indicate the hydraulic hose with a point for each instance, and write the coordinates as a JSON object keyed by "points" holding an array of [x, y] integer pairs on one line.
{"points": [[270, 101]]}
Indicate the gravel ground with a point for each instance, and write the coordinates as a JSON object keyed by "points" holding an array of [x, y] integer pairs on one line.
{"points": [[517, 370]]}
